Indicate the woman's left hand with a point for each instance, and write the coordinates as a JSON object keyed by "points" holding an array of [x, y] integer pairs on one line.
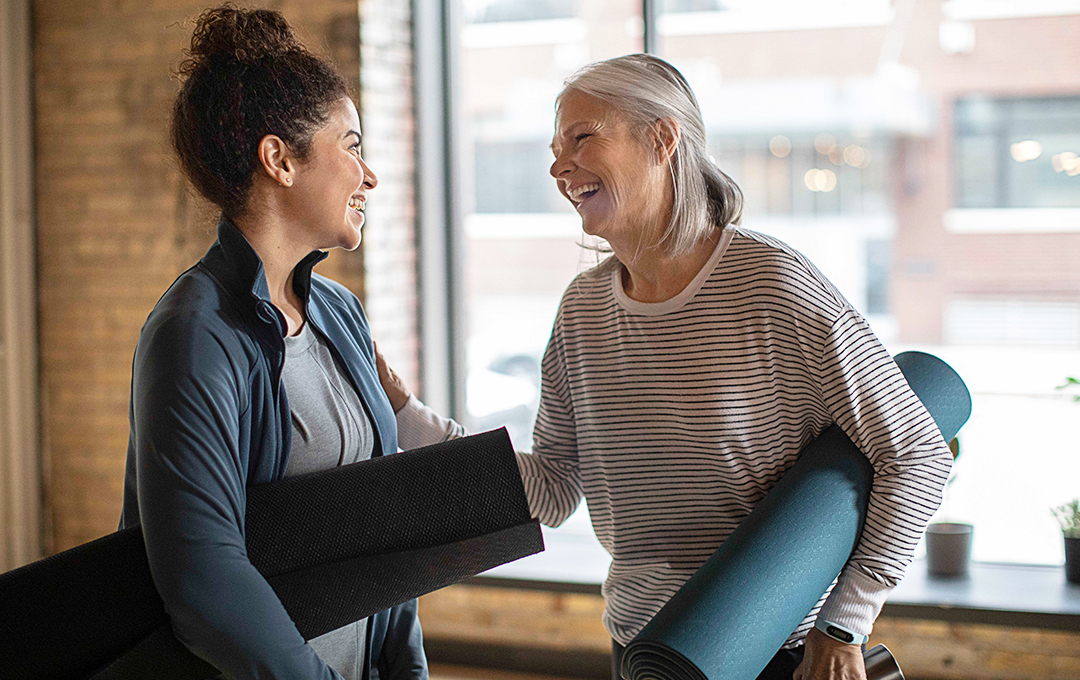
{"points": [[829, 659], [392, 384]]}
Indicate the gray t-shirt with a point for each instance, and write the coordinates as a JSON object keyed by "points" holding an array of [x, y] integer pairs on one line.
{"points": [[329, 428]]}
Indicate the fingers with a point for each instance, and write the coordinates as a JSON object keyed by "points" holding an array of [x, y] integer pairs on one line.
{"points": [[381, 365], [392, 384]]}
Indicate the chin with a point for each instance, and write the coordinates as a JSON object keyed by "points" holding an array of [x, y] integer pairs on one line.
{"points": [[353, 235], [593, 227], [352, 243]]}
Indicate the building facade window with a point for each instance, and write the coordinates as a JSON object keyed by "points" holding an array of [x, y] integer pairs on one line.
{"points": [[1017, 153], [487, 11], [807, 175], [505, 179]]}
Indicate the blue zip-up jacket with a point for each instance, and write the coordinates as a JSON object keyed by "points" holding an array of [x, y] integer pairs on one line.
{"points": [[209, 417]]}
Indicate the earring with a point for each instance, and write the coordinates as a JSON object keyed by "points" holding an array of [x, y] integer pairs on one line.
{"points": [[288, 181]]}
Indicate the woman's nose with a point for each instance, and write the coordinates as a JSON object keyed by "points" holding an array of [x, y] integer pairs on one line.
{"points": [[560, 167], [370, 180]]}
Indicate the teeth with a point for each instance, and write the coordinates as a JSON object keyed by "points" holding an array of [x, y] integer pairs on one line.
{"points": [[356, 203], [576, 193]]}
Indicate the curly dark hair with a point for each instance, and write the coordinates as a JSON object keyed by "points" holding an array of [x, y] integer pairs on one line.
{"points": [[246, 76]]}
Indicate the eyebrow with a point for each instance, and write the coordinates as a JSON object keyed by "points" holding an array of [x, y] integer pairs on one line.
{"points": [[352, 132]]}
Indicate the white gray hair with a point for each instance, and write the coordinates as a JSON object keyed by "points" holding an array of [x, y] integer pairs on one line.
{"points": [[644, 89]]}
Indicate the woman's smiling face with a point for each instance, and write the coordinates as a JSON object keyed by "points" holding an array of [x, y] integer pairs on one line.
{"points": [[620, 188], [331, 189]]}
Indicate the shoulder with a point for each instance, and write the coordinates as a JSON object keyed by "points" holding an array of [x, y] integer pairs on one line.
{"points": [[336, 298], [195, 325], [767, 265], [754, 250]]}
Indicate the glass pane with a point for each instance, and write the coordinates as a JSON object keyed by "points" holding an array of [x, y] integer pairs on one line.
{"points": [[1017, 153], [857, 160], [523, 240]]}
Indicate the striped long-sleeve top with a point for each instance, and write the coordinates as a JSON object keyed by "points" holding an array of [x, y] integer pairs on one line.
{"points": [[673, 420]]}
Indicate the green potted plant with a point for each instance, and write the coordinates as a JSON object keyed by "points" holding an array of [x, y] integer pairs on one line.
{"points": [[948, 544], [1068, 516]]}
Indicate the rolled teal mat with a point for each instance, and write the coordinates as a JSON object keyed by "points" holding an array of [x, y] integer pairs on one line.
{"points": [[731, 617]]}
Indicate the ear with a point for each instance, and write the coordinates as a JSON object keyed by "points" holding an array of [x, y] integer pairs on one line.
{"points": [[277, 159], [667, 134]]}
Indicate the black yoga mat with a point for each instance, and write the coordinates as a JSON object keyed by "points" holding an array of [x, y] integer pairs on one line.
{"points": [[401, 526], [729, 619]]}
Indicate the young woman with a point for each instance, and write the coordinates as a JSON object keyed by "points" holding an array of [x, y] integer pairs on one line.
{"points": [[251, 367]]}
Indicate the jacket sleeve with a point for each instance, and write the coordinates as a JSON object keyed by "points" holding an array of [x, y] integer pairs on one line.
{"points": [[868, 397], [189, 390], [401, 654]]}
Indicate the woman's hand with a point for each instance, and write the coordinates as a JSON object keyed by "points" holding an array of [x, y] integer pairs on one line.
{"points": [[829, 659], [392, 384]]}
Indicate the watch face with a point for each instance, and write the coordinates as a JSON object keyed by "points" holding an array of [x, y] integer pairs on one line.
{"points": [[842, 635]]}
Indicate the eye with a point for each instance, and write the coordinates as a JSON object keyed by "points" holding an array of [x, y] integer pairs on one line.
{"points": [[583, 136], [355, 149]]}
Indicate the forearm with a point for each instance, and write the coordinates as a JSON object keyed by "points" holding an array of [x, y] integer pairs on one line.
{"points": [[419, 425], [869, 398], [220, 606], [553, 488], [241, 629], [855, 600]]}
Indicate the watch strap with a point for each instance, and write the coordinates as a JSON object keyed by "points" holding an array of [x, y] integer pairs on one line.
{"points": [[841, 633]]}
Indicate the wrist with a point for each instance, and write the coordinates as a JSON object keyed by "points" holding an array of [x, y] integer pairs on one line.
{"points": [[840, 633], [398, 400]]}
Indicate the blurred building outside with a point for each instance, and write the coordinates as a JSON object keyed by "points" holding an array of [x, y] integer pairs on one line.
{"points": [[923, 154]]}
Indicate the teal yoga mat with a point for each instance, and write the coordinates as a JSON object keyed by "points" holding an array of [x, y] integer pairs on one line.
{"points": [[731, 617]]}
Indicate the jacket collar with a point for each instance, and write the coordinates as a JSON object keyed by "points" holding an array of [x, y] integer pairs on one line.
{"points": [[236, 265]]}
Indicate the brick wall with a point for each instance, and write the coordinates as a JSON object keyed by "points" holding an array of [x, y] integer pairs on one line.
{"points": [[117, 223], [937, 650], [1029, 57], [386, 109]]}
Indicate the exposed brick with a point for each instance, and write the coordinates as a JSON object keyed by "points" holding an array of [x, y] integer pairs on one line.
{"points": [[507, 616], [386, 111], [1011, 664], [116, 223], [1065, 668]]}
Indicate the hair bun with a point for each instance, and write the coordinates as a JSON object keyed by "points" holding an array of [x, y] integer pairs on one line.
{"points": [[243, 35]]}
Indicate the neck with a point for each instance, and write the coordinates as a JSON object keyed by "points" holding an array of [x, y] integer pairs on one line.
{"points": [[267, 234], [652, 275]]}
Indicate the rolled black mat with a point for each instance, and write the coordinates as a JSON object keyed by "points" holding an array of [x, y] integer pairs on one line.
{"points": [[735, 612], [336, 546]]}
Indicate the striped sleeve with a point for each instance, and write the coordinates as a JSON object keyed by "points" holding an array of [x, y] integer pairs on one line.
{"points": [[551, 472], [418, 425], [868, 397]]}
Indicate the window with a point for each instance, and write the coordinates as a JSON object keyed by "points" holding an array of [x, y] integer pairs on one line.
{"points": [[807, 175], [840, 151], [703, 17], [506, 177], [483, 11], [1017, 153], [521, 239]]}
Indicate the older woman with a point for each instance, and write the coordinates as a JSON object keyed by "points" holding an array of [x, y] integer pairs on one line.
{"points": [[251, 367], [685, 373]]}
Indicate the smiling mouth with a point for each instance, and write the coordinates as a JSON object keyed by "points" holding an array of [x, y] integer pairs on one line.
{"points": [[357, 204], [584, 192]]}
